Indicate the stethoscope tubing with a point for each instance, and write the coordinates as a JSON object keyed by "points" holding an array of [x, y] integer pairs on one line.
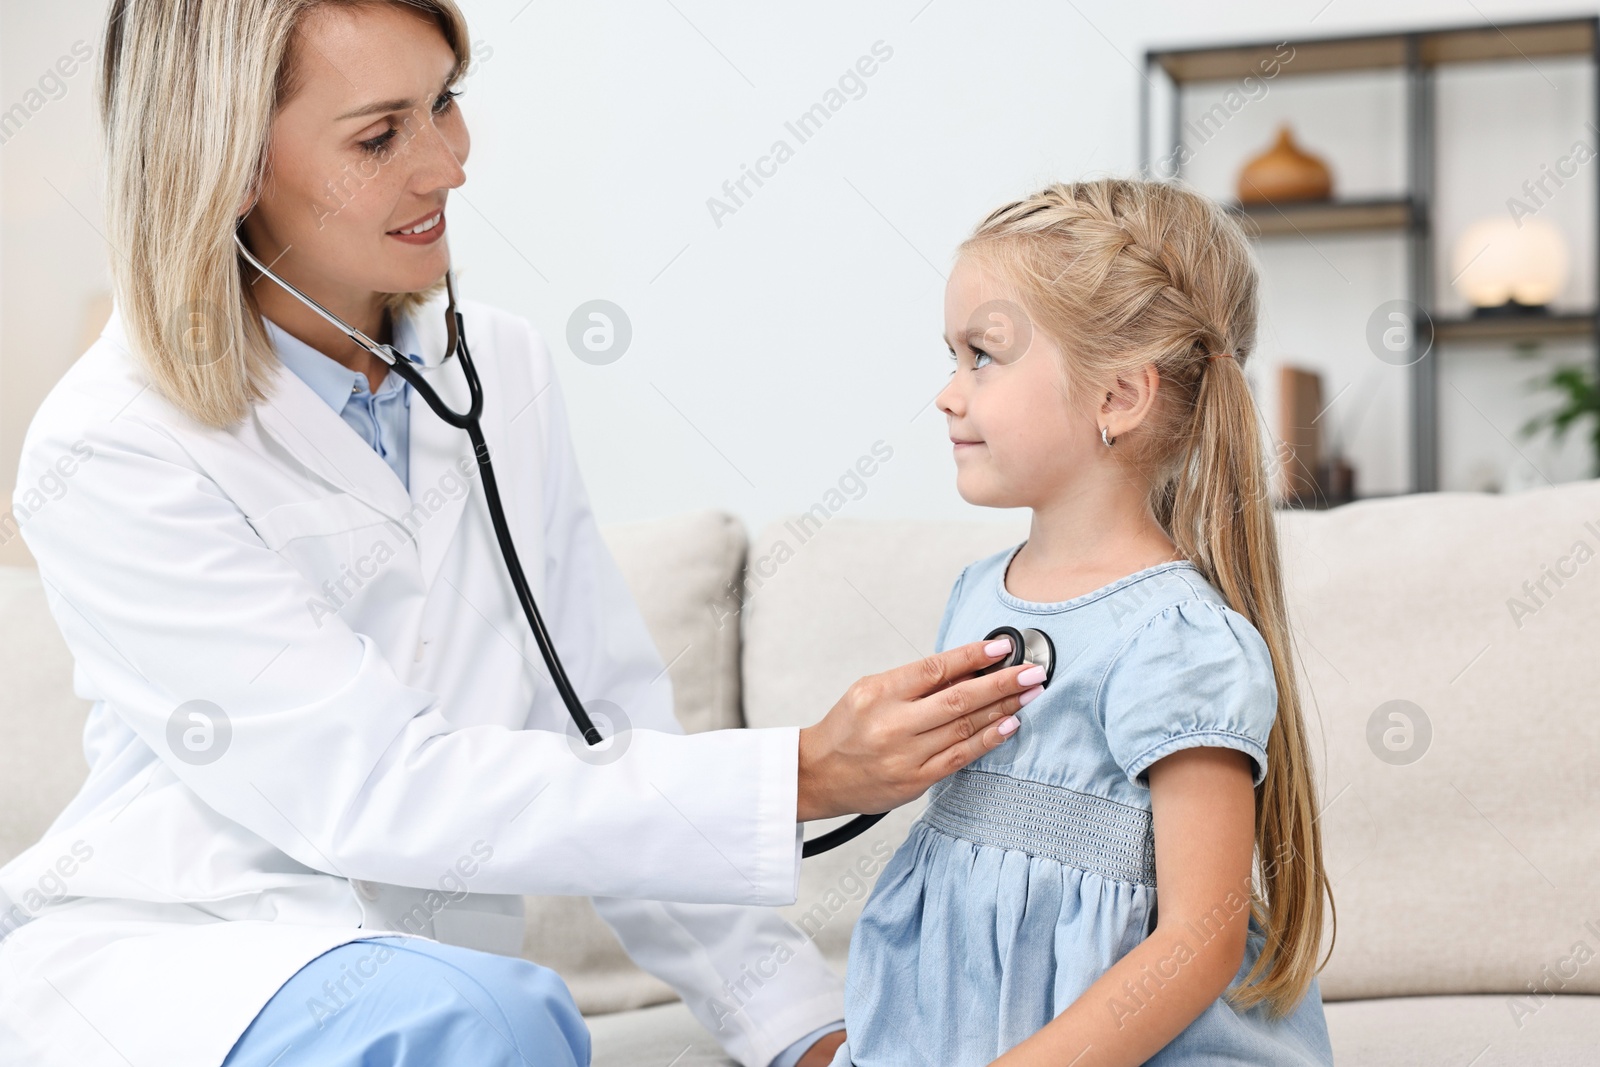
{"points": [[472, 422]]}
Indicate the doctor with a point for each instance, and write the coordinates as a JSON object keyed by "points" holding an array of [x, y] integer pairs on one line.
{"points": [[325, 757]]}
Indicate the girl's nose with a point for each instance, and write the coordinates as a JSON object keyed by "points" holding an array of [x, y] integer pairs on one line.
{"points": [[949, 399]]}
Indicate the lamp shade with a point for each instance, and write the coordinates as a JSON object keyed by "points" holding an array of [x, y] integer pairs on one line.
{"points": [[1498, 260]]}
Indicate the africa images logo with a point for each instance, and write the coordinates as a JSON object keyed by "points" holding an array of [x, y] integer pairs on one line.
{"points": [[199, 732]]}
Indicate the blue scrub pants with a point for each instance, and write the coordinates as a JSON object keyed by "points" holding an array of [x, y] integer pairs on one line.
{"points": [[406, 1001]]}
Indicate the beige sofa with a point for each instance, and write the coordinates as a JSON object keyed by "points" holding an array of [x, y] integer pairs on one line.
{"points": [[1467, 881]]}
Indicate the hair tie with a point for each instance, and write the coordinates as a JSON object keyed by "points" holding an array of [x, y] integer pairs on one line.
{"points": [[1219, 355]]}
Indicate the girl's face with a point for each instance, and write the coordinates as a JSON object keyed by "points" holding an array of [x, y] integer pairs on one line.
{"points": [[371, 142], [1020, 439]]}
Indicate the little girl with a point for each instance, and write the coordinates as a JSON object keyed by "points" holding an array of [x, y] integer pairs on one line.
{"points": [[1099, 332]]}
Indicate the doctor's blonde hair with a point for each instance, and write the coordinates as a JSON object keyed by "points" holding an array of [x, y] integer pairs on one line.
{"points": [[1124, 273], [187, 93]]}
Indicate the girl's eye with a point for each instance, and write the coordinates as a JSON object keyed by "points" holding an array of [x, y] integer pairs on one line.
{"points": [[977, 354], [441, 106]]}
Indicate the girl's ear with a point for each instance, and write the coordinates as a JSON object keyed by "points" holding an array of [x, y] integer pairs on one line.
{"points": [[1129, 399]]}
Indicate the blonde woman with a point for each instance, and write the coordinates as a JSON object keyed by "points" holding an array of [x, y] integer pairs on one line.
{"points": [[325, 760], [1098, 332]]}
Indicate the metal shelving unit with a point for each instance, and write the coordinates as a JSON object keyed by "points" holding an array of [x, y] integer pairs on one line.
{"points": [[1418, 53]]}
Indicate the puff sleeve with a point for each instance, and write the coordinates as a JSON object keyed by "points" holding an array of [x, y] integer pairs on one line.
{"points": [[1198, 674]]}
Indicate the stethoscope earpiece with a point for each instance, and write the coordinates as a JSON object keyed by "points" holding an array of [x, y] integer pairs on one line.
{"points": [[1027, 646]]}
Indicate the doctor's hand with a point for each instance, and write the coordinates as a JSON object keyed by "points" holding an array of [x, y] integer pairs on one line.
{"points": [[894, 734]]}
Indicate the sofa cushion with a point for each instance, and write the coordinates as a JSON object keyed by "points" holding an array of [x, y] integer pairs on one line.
{"points": [[41, 719], [1480, 1031], [1474, 868], [679, 570]]}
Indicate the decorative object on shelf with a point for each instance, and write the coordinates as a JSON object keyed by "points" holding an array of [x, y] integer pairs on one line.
{"points": [[1510, 267], [1338, 481], [1299, 403], [1284, 173], [1312, 475]]}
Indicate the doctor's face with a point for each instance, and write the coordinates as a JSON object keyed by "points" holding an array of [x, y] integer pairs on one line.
{"points": [[370, 142], [1020, 439]]}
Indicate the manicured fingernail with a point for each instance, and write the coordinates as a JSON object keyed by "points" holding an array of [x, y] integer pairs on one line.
{"points": [[998, 647], [1028, 695], [1032, 676], [1008, 725]]}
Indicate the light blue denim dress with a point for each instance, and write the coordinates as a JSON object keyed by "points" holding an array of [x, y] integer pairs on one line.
{"points": [[1032, 870]]}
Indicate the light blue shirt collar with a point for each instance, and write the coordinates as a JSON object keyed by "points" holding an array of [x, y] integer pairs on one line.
{"points": [[327, 377]]}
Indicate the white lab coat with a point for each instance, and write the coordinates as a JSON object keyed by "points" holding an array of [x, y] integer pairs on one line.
{"points": [[391, 722]]}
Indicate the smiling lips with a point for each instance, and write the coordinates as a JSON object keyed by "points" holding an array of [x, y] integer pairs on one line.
{"points": [[425, 230]]}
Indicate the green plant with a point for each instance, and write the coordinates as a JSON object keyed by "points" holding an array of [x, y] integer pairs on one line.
{"points": [[1579, 399]]}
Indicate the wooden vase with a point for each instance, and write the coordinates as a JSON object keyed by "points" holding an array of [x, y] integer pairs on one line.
{"points": [[1284, 173]]}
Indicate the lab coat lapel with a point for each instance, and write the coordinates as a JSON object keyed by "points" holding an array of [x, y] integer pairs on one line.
{"points": [[439, 452], [315, 435]]}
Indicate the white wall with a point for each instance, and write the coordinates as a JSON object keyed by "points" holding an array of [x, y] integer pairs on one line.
{"points": [[52, 258], [772, 351]]}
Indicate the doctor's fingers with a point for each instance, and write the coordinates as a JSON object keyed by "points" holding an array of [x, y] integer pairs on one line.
{"points": [[957, 742], [955, 700], [934, 674]]}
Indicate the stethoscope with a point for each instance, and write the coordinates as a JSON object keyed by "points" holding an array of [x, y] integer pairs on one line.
{"points": [[1023, 643]]}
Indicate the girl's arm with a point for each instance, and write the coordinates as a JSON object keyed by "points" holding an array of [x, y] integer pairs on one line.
{"points": [[1203, 807]]}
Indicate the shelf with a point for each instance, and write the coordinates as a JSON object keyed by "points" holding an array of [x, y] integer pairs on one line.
{"points": [[1524, 328], [1416, 55], [1324, 216], [1464, 44]]}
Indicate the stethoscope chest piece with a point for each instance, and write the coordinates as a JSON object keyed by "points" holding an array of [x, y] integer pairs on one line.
{"points": [[1027, 646]]}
